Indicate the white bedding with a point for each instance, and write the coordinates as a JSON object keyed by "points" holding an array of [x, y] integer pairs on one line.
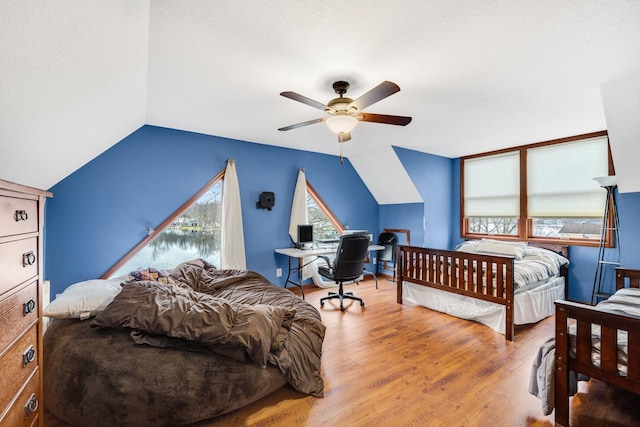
{"points": [[530, 306], [531, 264], [537, 284]]}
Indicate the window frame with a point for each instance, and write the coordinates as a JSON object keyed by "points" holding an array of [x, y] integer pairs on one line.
{"points": [[525, 224]]}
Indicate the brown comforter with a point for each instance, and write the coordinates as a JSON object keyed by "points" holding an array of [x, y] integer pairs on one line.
{"points": [[228, 312]]}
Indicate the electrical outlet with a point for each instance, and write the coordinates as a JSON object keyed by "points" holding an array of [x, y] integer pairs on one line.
{"points": [[278, 272]]}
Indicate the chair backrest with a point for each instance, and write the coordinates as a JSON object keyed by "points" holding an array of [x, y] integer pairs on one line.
{"points": [[389, 241], [350, 256]]}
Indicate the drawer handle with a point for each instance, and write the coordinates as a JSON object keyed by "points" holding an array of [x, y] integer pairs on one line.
{"points": [[21, 216], [28, 259], [28, 307], [28, 356], [31, 406]]}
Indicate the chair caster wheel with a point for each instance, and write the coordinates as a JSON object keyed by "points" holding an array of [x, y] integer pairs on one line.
{"points": [[361, 304], [321, 304], [341, 308]]}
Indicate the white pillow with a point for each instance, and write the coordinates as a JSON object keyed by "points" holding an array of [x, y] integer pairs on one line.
{"points": [[83, 299], [494, 247], [470, 246]]}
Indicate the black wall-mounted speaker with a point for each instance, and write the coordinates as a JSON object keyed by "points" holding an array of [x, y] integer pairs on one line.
{"points": [[266, 200]]}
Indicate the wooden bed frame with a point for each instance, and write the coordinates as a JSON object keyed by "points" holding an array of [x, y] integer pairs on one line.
{"points": [[423, 266], [583, 316]]}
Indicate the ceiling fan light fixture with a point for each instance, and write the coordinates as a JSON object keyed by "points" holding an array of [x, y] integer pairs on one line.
{"points": [[341, 123]]}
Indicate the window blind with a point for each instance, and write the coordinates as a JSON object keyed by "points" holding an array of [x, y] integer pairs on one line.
{"points": [[560, 179], [492, 186]]}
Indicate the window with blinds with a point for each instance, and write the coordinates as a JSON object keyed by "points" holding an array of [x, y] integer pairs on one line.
{"points": [[492, 193], [563, 199], [542, 191]]}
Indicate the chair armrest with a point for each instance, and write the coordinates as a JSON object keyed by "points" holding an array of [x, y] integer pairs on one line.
{"points": [[326, 259]]}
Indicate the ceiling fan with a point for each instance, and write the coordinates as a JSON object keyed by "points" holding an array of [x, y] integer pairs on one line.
{"points": [[345, 113]]}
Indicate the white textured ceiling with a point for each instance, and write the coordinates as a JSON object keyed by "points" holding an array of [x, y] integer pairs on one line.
{"points": [[77, 76]]}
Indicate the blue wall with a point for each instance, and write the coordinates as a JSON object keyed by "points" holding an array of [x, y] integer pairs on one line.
{"points": [[102, 210], [407, 216], [433, 177]]}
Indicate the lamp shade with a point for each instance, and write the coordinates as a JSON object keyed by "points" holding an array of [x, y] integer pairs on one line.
{"points": [[341, 123], [607, 181]]}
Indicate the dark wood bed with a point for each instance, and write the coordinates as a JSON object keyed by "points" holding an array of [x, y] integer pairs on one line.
{"points": [[582, 317], [426, 267]]}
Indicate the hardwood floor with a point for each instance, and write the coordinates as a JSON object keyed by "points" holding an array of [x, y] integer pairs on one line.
{"points": [[404, 365]]}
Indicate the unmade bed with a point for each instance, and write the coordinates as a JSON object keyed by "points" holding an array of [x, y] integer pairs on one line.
{"points": [[499, 284], [160, 352]]}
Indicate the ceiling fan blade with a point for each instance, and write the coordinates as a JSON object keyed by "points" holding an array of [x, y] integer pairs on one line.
{"points": [[376, 94], [344, 136], [383, 118], [304, 100], [299, 125]]}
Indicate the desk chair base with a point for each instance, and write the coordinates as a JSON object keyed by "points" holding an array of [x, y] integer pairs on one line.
{"points": [[342, 296]]}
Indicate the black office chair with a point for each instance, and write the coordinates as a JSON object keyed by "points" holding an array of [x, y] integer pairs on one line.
{"points": [[347, 266], [388, 254]]}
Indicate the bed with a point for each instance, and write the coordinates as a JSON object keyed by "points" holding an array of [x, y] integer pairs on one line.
{"points": [[601, 342], [499, 284], [177, 347]]}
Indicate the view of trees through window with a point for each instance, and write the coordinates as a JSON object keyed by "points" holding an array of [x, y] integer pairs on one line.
{"points": [[562, 228], [194, 233], [493, 225], [322, 227]]}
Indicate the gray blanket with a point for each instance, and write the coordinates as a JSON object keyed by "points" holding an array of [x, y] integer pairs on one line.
{"points": [[177, 311], [542, 381], [231, 312]]}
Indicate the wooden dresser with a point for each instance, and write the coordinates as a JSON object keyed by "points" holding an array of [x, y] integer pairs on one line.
{"points": [[21, 222]]}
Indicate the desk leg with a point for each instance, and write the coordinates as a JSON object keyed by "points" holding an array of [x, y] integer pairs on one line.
{"points": [[373, 273], [300, 276], [291, 268]]}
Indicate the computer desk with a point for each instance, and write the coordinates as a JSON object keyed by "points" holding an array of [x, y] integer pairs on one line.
{"points": [[299, 254]]}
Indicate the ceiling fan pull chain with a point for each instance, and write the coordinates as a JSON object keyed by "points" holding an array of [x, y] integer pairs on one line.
{"points": [[341, 159]]}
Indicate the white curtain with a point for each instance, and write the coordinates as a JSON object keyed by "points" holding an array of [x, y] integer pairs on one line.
{"points": [[299, 211], [300, 215], [232, 254]]}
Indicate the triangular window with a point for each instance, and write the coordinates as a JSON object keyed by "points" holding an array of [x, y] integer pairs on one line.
{"points": [[325, 224], [193, 231]]}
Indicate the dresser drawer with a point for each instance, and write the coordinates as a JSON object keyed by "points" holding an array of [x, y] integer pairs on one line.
{"points": [[25, 409], [15, 313], [17, 364], [18, 216], [18, 262]]}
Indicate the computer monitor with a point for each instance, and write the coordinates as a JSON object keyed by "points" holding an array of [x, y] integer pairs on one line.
{"points": [[305, 236]]}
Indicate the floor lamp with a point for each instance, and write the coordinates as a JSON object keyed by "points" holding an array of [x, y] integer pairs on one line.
{"points": [[609, 183]]}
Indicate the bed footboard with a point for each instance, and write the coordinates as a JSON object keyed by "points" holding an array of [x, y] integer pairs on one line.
{"points": [[612, 326], [484, 277]]}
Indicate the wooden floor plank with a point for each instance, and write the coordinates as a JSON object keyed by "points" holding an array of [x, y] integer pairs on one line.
{"points": [[404, 365]]}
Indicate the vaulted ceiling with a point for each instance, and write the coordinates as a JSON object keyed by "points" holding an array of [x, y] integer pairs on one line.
{"points": [[76, 77]]}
